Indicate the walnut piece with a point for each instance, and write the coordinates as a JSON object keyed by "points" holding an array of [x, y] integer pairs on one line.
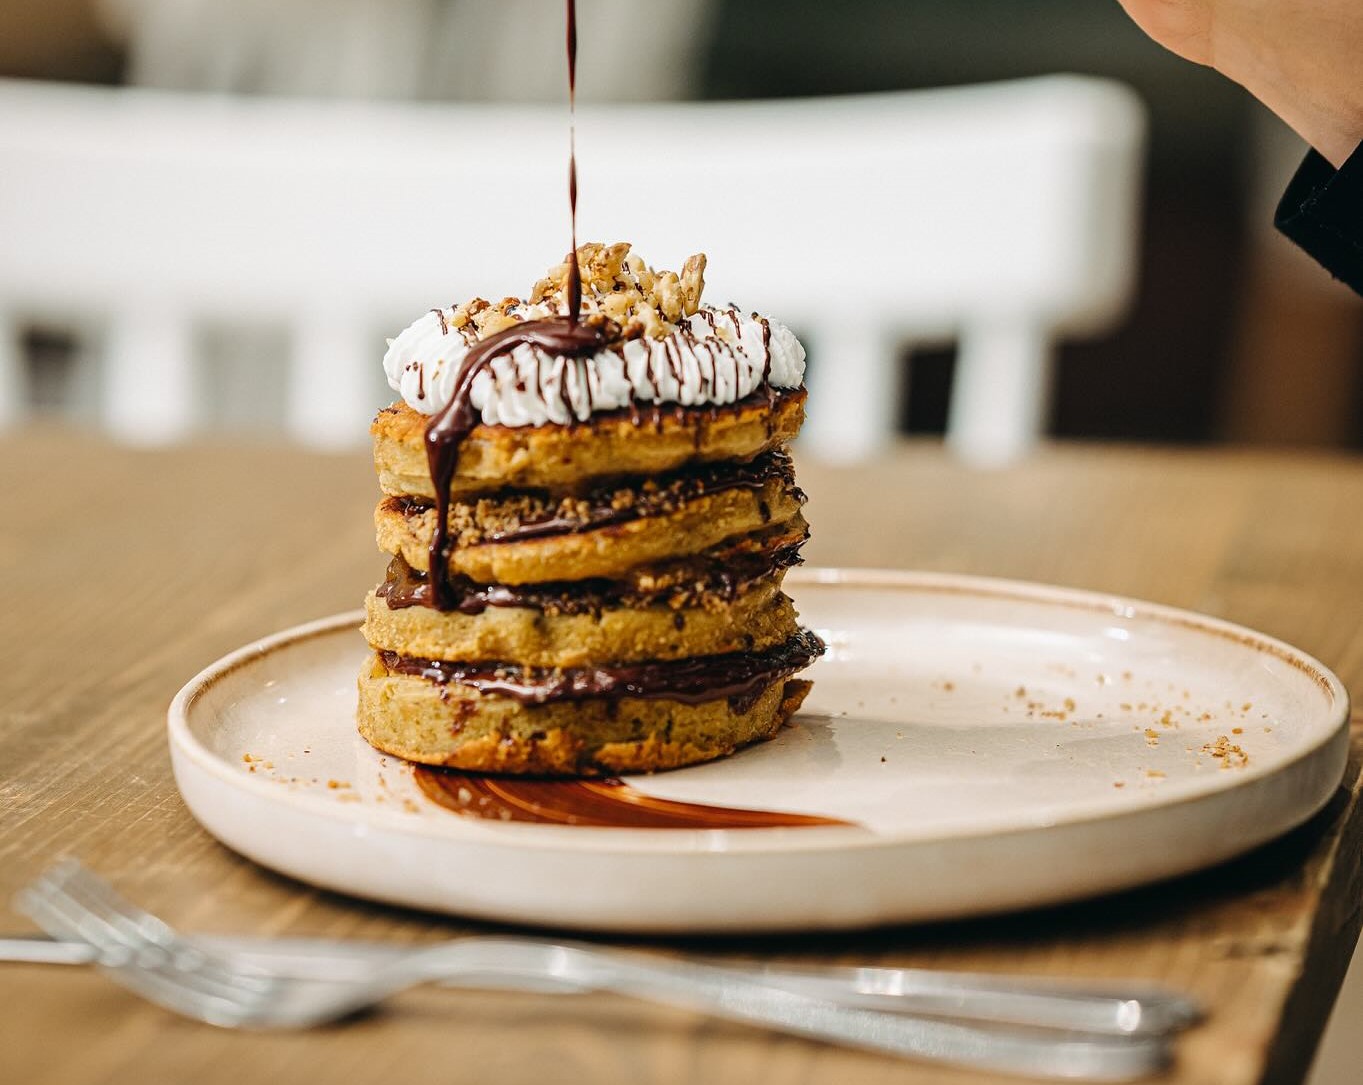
{"points": [[616, 284]]}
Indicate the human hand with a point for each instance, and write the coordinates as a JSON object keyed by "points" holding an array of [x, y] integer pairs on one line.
{"points": [[1299, 57]]}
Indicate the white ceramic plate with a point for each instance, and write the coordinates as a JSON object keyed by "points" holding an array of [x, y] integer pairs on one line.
{"points": [[997, 745]]}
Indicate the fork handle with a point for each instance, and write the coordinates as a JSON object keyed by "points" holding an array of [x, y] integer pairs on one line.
{"points": [[978, 998], [985, 999], [971, 998], [721, 992], [725, 994]]}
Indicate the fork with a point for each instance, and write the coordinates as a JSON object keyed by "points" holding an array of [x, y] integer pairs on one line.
{"points": [[502, 962], [147, 956], [519, 963]]}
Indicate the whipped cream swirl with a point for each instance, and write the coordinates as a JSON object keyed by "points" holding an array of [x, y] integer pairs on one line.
{"points": [[715, 357]]}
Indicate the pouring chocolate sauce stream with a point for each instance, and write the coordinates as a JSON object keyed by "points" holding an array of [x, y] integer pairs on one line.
{"points": [[574, 271], [565, 336]]}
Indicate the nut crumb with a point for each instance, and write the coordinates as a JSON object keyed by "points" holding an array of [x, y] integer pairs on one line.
{"points": [[1230, 755]]}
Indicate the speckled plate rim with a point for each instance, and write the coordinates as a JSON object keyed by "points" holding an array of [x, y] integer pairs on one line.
{"points": [[1331, 743]]}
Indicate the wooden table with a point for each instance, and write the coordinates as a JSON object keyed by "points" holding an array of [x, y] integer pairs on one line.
{"points": [[126, 571]]}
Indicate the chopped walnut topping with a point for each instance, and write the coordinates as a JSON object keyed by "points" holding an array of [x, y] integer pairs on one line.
{"points": [[464, 314], [693, 281], [616, 283]]}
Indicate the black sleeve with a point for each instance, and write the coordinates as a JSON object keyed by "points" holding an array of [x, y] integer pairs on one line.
{"points": [[1322, 211]]}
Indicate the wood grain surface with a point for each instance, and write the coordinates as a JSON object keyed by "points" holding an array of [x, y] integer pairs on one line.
{"points": [[125, 571]]}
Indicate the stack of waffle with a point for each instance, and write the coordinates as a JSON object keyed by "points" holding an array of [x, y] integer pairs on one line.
{"points": [[609, 595]]}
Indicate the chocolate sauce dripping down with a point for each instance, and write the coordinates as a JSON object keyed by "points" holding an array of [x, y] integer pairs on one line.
{"points": [[766, 358], [766, 351], [602, 507], [563, 336], [724, 577], [574, 271], [740, 678]]}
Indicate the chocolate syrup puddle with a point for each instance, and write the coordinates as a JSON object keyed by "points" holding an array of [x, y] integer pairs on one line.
{"points": [[606, 803]]}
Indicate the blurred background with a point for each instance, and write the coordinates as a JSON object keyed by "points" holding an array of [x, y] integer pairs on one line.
{"points": [[1233, 335]]}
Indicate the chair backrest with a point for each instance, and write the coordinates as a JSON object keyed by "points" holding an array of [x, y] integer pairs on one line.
{"points": [[862, 221]]}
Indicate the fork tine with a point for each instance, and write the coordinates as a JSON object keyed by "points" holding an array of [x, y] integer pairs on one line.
{"points": [[100, 896], [170, 992], [175, 952], [197, 983], [158, 945], [127, 922], [92, 910], [223, 997], [50, 909], [65, 881], [130, 922], [59, 917]]}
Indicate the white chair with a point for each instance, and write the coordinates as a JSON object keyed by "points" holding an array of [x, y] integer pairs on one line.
{"points": [[464, 50], [1003, 215]]}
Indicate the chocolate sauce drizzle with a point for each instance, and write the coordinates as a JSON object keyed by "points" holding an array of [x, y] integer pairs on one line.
{"points": [[739, 677], [724, 579], [539, 515], [447, 430], [605, 803]]}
